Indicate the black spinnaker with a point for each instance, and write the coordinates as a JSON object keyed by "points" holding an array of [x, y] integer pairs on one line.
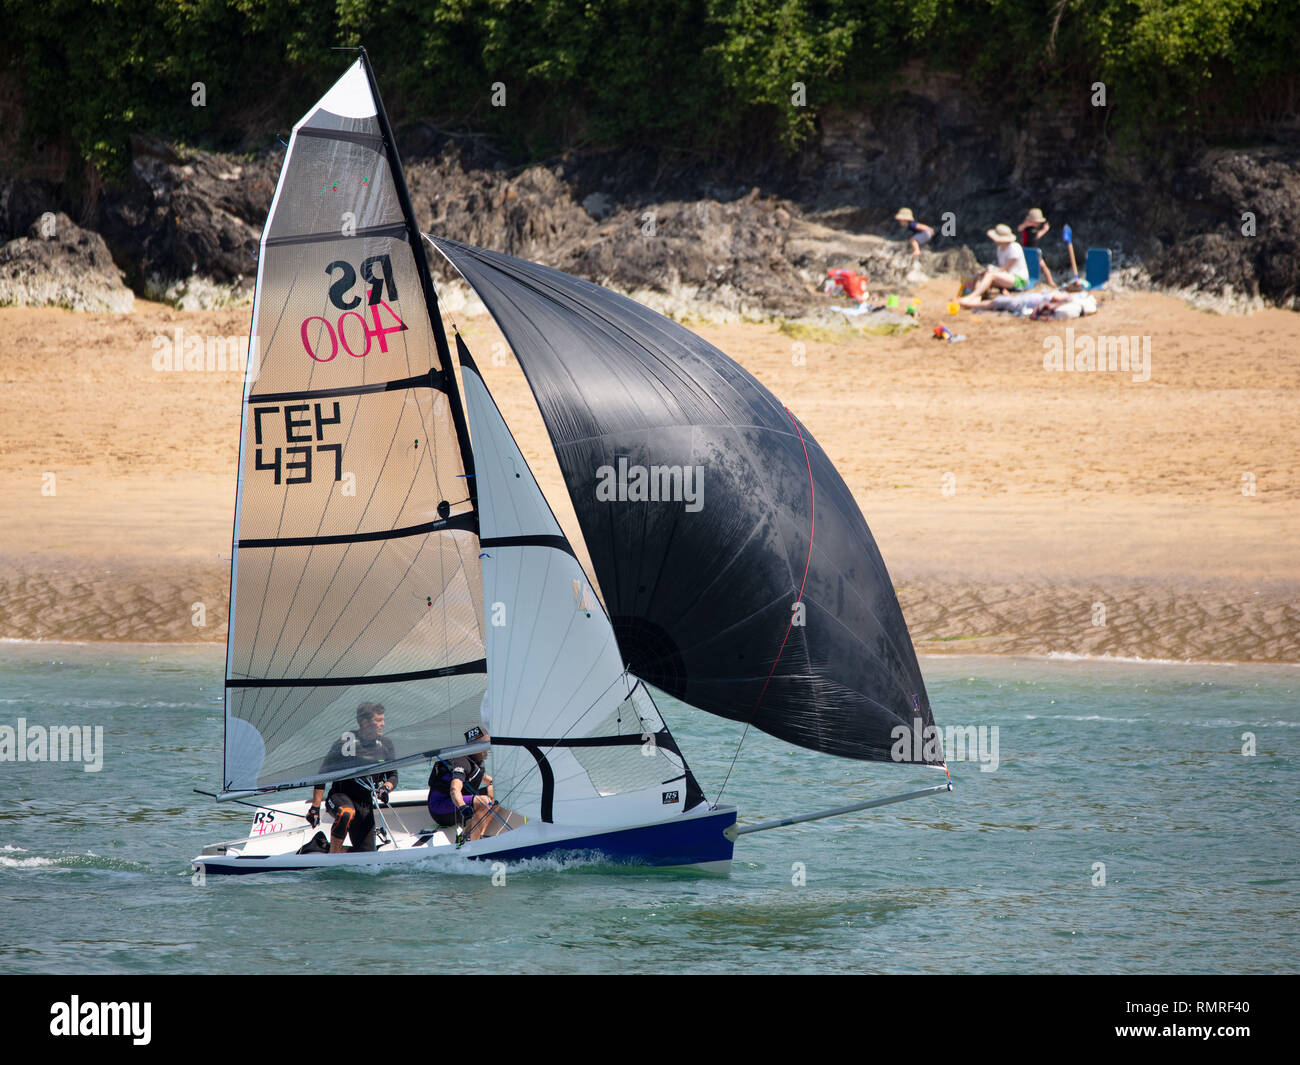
{"points": [[737, 569]]}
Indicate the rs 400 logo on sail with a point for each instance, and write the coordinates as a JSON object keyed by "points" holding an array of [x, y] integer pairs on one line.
{"points": [[377, 271]]}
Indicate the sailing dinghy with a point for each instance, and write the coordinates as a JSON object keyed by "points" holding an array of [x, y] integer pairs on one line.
{"points": [[392, 546]]}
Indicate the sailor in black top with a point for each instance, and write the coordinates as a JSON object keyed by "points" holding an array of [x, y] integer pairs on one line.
{"points": [[350, 801]]}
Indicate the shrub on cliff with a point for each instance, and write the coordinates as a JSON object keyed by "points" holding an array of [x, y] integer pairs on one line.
{"points": [[694, 75]]}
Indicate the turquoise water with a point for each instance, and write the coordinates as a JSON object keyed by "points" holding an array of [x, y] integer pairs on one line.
{"points": [[1135, 765]]}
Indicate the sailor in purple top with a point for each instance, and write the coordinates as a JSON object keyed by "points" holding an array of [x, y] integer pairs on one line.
{"points": [[460, 792]]}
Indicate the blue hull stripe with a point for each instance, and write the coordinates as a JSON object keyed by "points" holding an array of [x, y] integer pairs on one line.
{"points": [[672, 843]]}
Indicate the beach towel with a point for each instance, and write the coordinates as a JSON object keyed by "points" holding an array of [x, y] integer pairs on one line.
{"points": [[1016, 302]]}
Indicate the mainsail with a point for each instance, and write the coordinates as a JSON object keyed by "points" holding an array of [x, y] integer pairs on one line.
{"points": [[575, 738], [738, 571], [355, 575]]}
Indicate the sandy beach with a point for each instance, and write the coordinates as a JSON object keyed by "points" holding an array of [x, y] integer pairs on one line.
{"points": [[1019, 510]]}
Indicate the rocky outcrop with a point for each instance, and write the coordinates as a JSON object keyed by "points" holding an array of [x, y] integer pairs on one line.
{"points": [[1238, 241], [59, 264], [531, 214], [732, 254], [182, 214], [822, 241], [184, 224], [754, 256]]}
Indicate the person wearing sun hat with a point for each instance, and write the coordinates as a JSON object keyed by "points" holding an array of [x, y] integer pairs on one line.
{"points": [[1011, 272], [1033, 229], [918, 232]]}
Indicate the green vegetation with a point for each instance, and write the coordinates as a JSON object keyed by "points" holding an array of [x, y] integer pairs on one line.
{"points": [[695, 76], [819, 333]]}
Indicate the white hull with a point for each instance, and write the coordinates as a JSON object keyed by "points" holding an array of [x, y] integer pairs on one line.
{"points": [[694, 839]]}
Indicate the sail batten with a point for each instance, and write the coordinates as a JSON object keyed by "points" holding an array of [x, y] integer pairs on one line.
{"points": [[393, 229], [369, 140], [477, 666], [466, 522], [423, 381]]}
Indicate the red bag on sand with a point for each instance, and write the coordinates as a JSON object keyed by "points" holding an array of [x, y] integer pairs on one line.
{"points": [[853, 284]]}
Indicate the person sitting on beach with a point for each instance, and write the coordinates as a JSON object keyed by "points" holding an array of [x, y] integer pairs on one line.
{"points": [[918, 232], [460, 792], [350, 800], [1033, 229], [1011, 272]]}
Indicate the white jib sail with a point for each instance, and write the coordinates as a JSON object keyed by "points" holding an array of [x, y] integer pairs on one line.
{"points": [[555, 674], [356, 574]]}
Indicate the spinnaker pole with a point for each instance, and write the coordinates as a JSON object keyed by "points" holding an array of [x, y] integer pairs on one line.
{"points": [[739, 830]]}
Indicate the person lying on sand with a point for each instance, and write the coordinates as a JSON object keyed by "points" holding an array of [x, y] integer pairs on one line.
{"points": [[918, 232], [1011, 273], [1067, 304], [1059, 303], [1012, 302]]}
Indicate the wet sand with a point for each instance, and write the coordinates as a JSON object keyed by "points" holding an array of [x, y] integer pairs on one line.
{"points": [[1019, 510]]}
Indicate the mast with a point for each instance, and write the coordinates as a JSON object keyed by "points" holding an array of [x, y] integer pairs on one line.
{"points": [[426, 283]]}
